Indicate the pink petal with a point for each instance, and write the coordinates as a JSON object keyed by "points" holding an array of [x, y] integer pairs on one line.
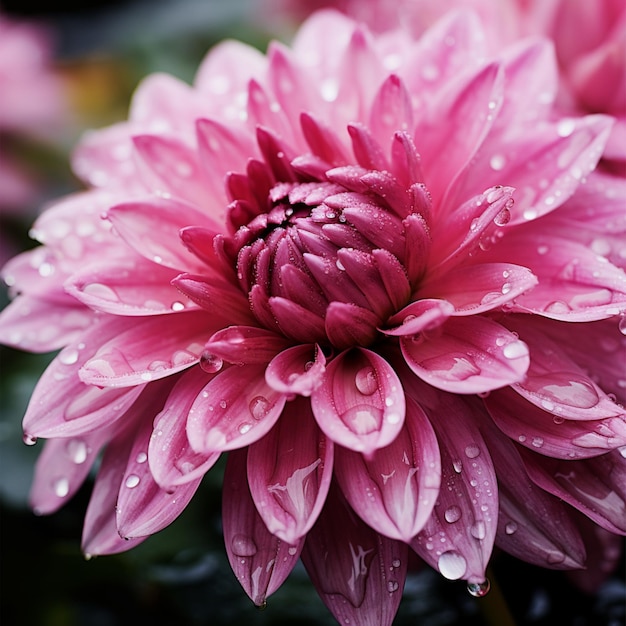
{"points": [[143, 507], [245, 344], [533, 525], [419, 316], [298, 370], [61, 405], [549, 433], [295, 320], [289, 473], [467, 355], [152, 226], [391, 111], [348, 324], [478, 288], [131, 286], [401, 480], [171, 459], [62, 467], [360, 405], [261, 561], [457, 540], [236, 408], [358, 573], [596, 486]]}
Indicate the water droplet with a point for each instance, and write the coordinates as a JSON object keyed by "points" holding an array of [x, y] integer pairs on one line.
{"points": [[452, 565], [452, 514], [292, 550], [210, 363], [478, 590], [457, 465], [244, 427], [61, 487], [395, 563], [622, 324], [29, 440], [147, 376], [68, 357], [223, 404], [472, 451], [554, 558], [76, 450], [132, 481], [478, 530], [259, 407], [515, 350], [503, 217], [566, 127], [510, 528], [392, 586], [142, 457], [177, 306], [366, 381], [243, 546], [497, 162], [506, 288]]}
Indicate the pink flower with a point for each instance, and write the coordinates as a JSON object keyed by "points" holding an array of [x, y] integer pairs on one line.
{"points": [[367, 268]]}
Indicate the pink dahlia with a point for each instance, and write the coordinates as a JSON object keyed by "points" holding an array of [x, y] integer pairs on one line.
{"points": [[377, 274]]}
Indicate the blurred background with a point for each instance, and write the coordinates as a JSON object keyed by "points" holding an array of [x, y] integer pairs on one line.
{"points": [[94, 57]]}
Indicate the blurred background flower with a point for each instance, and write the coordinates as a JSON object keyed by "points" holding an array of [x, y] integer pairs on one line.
{"points": [[182, 576]]}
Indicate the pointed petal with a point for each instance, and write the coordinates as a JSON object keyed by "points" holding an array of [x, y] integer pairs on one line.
{"points": [[358, 573], [458, 538], [171, 459], [289, 473], [419, 316], [235, 409], [294, 320], [298, 370], [261, 561], [467, 355], [62, 467], [133, 357], [478, 288], [348, 324], [549, 433], [533, 525], [401, 480], [596, 486], [360, 404], [129, 286], [391, 111]]}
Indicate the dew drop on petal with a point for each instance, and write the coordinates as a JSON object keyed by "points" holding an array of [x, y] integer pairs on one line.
{"points": [[478, 590], [366, 381], [452, 514], [244, 427], [132, 481], [259, 407], [510, 528], [142, 457], [29, 440], [210, 363], [515, 350], [68, 357], [392, 586], [622, 325], [243, 546], [497, 162], [457, 464], [452, 565], [61, 487], [472, 451], [478, 530], [76, 450]]}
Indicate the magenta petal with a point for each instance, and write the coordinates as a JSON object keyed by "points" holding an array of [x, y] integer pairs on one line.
{"points": [[478, 288], [143, 507], [152, 226], [132, 286], [401, 480], [245, 344], [261, 561], [62, 405], [360, 405], [419, 316], [348, 324], [358, 573], [289, 473], [391, 110], [62, 467], [549, 433], [236, 408], [171, 459], [134, 357], [298, 370], [533, 525], [595, 486], [467, 355], [457, 540]]}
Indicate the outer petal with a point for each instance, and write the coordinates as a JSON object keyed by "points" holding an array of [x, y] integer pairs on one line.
{"points": [[245, 344], [596, 486], [549, 433], [457, 540], [299, 370], [61, 468], [358, 573], [401, 481], [533, 525], [360, 405], [261, 561], [467, 355], [134, 357], [289, 473], [170, 456], [235, 409]]}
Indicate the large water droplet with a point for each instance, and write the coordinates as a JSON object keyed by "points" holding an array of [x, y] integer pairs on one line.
{"points": [[76, 450], [29, 440], [259, 407], [61, 487], [68, 357], [132, 481], [452, 514], [510, 528], [392, 586], [362, 419], [366, 381], [452, 565], [478, 590], [478, 530], [210, 363], [472, 451], [243, 546], [515, 350]]}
